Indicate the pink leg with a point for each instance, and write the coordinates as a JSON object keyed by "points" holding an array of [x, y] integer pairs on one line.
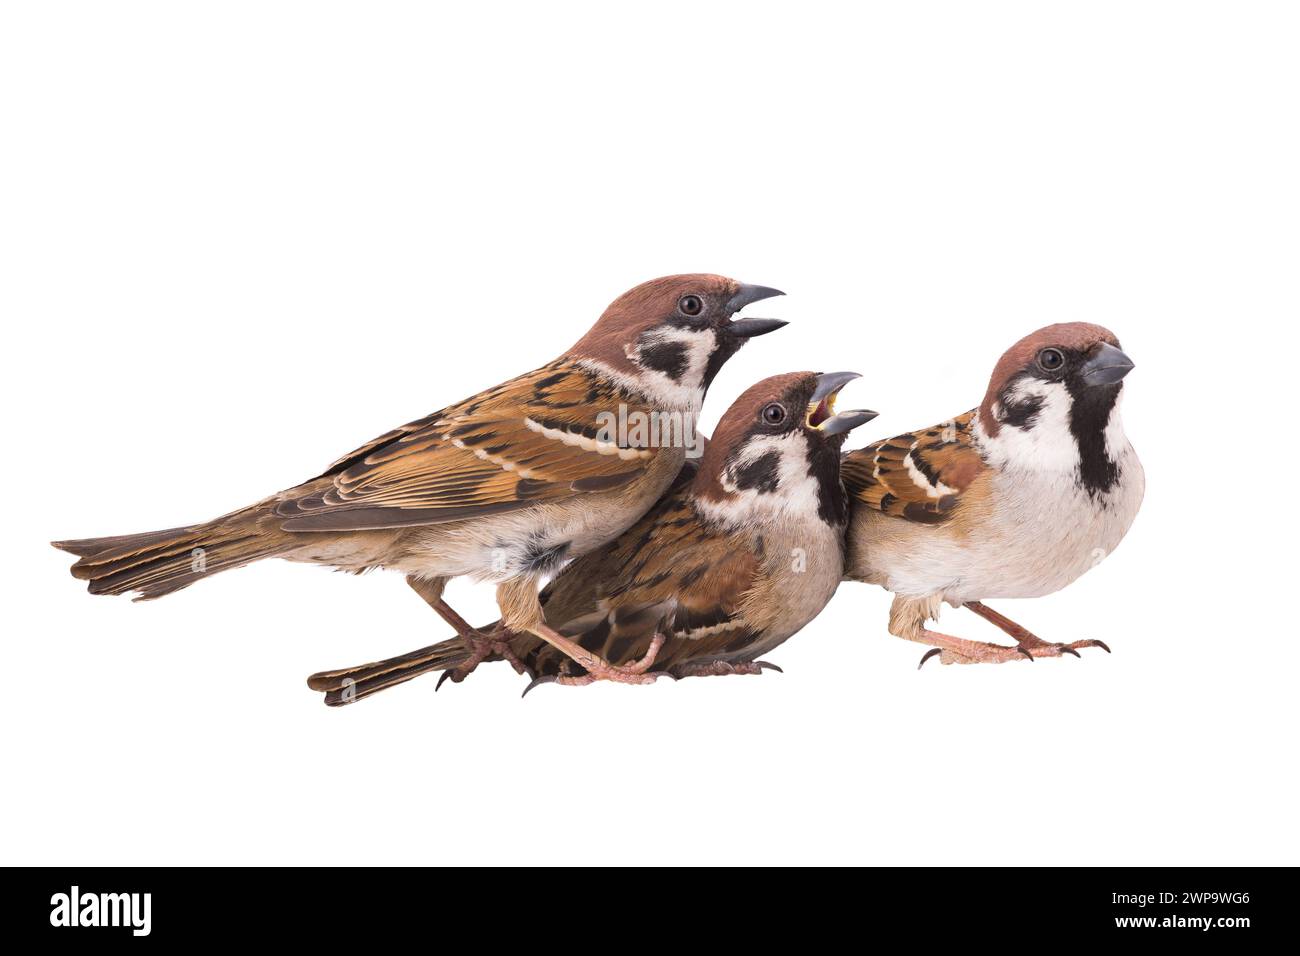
{"points": [[597, 667], [1031, 643], [480, 645], [958, 650]]}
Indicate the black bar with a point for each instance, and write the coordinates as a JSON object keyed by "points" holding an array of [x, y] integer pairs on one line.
{"points": [[1172, 906]]}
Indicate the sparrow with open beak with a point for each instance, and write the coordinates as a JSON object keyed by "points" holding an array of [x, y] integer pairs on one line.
{"points": [[504, 486], [740, 554], [1013, 499]]}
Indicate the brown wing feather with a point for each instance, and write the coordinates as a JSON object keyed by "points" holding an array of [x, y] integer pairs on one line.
{"points": [[919, 476], [667, 573], [526, 441]]}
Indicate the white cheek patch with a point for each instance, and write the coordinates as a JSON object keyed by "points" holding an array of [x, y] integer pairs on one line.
{"points": [[660, 390], [695, 346], [1047, 445], [768, 478], [685, 351]]}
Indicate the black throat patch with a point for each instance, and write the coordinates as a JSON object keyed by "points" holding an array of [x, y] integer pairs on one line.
{"points": [[832, 499], [1089, 415]]}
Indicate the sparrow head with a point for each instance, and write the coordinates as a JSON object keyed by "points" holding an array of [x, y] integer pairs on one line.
{"points": [[1053, 402], [776, 451], [670, 336]]}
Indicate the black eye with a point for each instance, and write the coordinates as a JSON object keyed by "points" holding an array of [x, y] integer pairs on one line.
{"points": [[690, 305], [1051, 360], [773, 414]]}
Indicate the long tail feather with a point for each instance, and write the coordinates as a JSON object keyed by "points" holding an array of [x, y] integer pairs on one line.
{"points": [[159, 562], [351, 684]]}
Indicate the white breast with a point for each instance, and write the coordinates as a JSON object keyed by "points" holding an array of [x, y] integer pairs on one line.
{"points": [[1040, 532], [1045, 531]]}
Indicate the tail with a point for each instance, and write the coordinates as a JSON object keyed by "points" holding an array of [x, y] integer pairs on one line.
{"points": [[160, 562], [353, 683]]}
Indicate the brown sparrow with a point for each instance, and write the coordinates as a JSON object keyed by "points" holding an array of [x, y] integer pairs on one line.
{"points": [[1014, 499], [504, 486], [740, 554]]}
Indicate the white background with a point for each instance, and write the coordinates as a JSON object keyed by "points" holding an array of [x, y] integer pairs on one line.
{"points": [[242, 238]]}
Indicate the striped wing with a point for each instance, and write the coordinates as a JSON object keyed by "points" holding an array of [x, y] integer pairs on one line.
{"points": [[535, 438], [919, 476], [669, 573]]}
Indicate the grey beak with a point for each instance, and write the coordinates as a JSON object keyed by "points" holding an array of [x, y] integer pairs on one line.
{"points": [[1107, 367], [748, 295], [846, 421], [828, 383], [748, 328]]}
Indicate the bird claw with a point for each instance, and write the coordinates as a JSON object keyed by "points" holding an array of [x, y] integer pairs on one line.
{"points": [[1073, 648], [764, 666], [544, 679], [480, 646], [957, 651], [1062, 649]]}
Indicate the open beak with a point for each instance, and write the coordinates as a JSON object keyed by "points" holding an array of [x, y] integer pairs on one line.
{"points": [[748, 328], [1107, 367], [748, 295], [821, 408]]}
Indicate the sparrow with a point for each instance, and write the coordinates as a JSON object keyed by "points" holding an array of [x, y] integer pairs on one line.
{"points": [[1013, 499], [744, 550], [505, 486]]}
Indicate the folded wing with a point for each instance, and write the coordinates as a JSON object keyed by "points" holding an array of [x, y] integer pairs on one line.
{"points": [[536, 438], [919, 476]]}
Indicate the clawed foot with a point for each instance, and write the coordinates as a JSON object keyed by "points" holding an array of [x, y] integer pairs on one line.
{"points": [[723, 668], [956, 650], [976, 653], [481, 646], [598, 669]]}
